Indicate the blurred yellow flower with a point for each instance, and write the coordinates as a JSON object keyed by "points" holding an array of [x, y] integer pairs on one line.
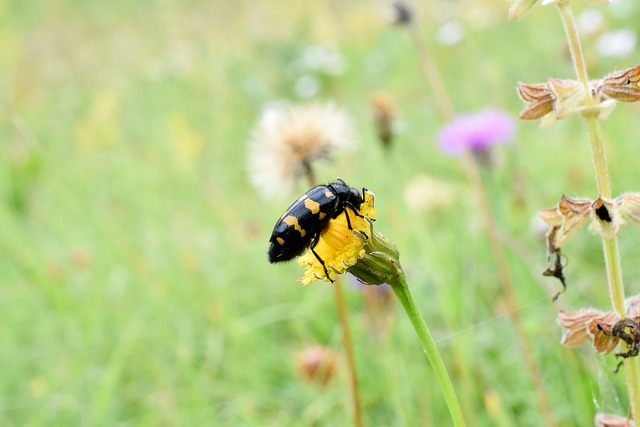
{"points": [[186, 141], [101, 126], [425, 193]]}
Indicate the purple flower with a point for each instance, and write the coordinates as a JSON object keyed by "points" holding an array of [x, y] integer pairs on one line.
{"points": [[476, 132]]}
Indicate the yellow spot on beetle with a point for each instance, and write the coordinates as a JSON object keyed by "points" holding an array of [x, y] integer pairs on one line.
{"points": [[293, 222], [313, 206], [280, 240], [328, 194]]}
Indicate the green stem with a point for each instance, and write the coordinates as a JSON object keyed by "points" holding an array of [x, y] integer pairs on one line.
{"points": [[574, 43], [599, 157], [616, 292], [614, 275], [610, 246], [402, 291]]}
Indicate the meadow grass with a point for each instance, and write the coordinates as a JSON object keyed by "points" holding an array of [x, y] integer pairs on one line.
{"points": [[135, 284]]}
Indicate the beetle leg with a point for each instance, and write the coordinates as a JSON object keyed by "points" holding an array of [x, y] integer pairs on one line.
{"points": [[632, 352], [618, 366], [346, 213], [355, 211], [324, 266]]}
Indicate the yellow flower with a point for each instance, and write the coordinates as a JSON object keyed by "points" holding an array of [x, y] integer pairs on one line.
{"points": [[101, 126], [339, 246]]}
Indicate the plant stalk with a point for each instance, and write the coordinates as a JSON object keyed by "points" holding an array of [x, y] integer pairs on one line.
{"points": [[346, 341], [574, 43], [610, 246], [599, 156], [432, 75], [402, 291]]}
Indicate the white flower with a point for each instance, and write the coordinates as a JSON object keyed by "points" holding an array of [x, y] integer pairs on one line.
{"points": [[289, 139], [450, 33], [323, 59], [590, 21], [619, 43], [307, 86]]}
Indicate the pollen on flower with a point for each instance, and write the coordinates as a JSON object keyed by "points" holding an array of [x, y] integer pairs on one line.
{"points": [[338, 246]]}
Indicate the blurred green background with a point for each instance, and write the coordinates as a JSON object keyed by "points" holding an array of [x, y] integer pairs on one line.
{"points": [[135, 288]]}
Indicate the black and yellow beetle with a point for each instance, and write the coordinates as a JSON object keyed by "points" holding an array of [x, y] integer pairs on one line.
{"points": [[300, 226]]}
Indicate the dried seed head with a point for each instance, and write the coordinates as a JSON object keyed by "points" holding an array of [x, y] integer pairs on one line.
{"points": [[564, 97], [534, 92], [383, 115], [552, 216], [623, 86], [607, 220], [601, 329], [554, 261], [606, 329], [574, 210], [576, 325], [629, 206], [564, 219], [569, 216], [586, 323], [539, 99], [289, 139]]}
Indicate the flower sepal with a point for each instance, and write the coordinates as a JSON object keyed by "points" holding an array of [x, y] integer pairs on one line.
{"points": [[623, 86], [380, 262]]}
